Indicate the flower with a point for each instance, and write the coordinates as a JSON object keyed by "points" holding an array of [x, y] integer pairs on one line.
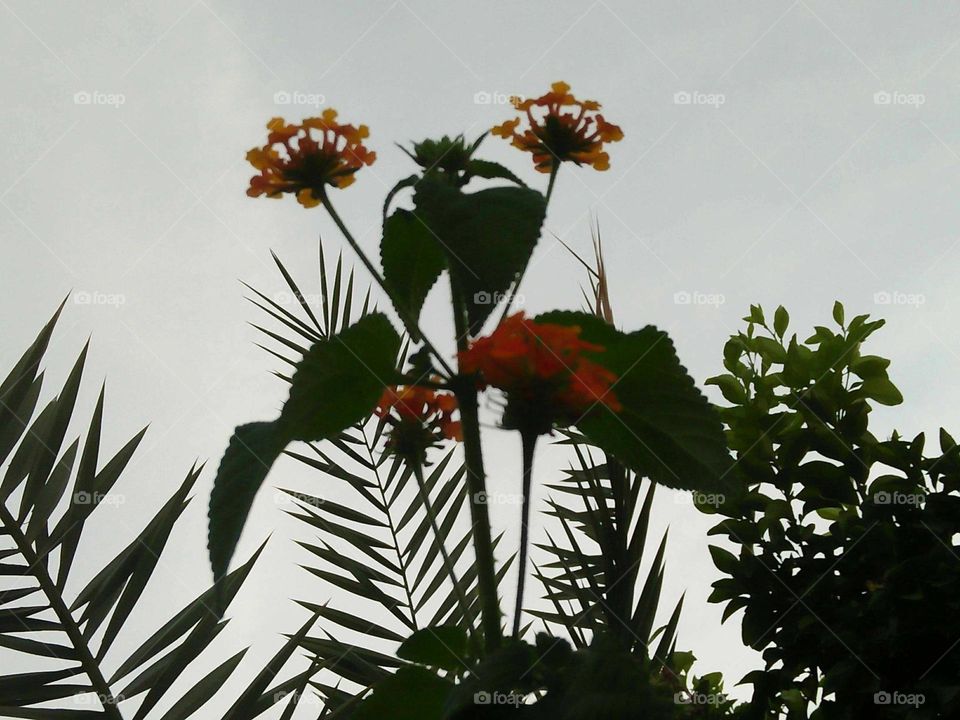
{"points": [[556, 136], [544, 372], [420, 417], [301, 159]]}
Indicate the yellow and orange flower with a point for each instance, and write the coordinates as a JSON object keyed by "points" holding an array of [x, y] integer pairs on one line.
{"points": [[544, 372], [420, 417], [303, 159], [561, 128]]}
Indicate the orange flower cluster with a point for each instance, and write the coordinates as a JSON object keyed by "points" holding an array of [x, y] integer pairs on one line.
{"points": [[296, 160], [556, 136], [420, 417], [542, 369]]}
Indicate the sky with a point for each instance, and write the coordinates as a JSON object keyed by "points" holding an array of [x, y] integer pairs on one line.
{"points": [[775, 152]]}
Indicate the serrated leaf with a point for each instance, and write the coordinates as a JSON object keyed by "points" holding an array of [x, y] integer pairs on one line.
{"points": [[412, 261]]}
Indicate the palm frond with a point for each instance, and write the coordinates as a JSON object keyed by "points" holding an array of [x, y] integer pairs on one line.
{"points": [[49, 491]]}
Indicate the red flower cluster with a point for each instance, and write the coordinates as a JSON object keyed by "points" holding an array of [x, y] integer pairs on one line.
{"points": [[420, 417], [543, 370], [296, 160], [555, 136]]}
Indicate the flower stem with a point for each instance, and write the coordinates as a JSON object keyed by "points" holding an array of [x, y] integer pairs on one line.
{"points": [[382, 282], [466, 392], [529, 441]]}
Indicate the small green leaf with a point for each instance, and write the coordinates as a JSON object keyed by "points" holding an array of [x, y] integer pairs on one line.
{"points": [[444, 646], [339, 380], [781, 319], [838, 313], [412, 261], [492, 171], [881, 390]]}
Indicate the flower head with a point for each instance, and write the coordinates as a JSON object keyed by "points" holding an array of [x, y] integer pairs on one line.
{"points": [[544, 371], [419, 417], [302, 159], [561, 128]]}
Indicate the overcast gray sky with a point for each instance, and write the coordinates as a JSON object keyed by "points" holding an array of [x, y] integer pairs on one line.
{"points": [[775, 152]]}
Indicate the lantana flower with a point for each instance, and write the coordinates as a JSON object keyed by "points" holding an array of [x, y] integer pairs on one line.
{"points": [[420, 418], [545, 371], [561, 128], [302, 159]]}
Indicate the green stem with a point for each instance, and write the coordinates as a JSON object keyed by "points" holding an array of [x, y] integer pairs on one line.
{"points": [[382, 282], [466, 392], [529, 441], [89, 664]]}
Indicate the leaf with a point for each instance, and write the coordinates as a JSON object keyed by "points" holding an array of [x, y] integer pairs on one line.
{"points": [[412, 693], [492, 171], [252, 451], [838, 313], [881, 390], [781, 319], [340, 380], [444, 646], [412, 262], [488, 237], [666, 429]]}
